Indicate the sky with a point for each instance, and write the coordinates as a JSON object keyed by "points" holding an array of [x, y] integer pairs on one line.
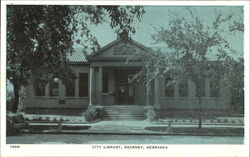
{"points": [[161, 15]]}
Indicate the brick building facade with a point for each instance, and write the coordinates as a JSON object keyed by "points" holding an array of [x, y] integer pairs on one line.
{"points": [[102, 79]]}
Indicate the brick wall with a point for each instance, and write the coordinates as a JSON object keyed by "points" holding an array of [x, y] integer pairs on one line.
{"points": [[58, 104]]}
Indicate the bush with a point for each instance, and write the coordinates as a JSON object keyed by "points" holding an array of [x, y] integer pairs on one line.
{"points": [[14, 123], [10, 104], [150, 113], [157, 107], [93, 113], [148, 108]]}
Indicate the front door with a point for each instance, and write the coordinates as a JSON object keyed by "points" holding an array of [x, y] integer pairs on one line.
{"points": [[125, 90]]}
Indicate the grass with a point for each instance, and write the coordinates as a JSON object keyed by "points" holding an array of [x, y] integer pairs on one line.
{"points": [[205, 131]]}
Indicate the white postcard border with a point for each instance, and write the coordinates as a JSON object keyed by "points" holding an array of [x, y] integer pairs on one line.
{"points": [[88, 150]]}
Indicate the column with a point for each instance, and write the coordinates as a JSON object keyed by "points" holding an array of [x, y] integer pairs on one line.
{"points": [[61, 90], [190, 89], [99, 90], [77, 87], [47, 88], [91, 86], [176, 89], [148, 94], [156, 91], [207, 88]]}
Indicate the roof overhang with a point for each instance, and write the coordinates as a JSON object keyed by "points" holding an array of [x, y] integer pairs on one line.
{"points": [[93, 57]]}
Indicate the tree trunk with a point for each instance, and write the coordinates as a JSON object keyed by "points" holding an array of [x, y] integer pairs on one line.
{"points": [[16, 96], [22, 99], [199, 112]]}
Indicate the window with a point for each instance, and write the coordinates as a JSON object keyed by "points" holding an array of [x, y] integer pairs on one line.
{"points": [[54, 87], [83, 85], [183, 88], [169, 87], [70, 88], [105, 83], [40, 88], [214, 87], [201, 88]]}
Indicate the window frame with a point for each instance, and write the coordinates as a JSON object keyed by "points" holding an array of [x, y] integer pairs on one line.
{"points": [[51, 88], [67, 84], [169, 88], [216, 82], [83, 92], [36, 90], [184, 88], [105, 83], [204, 89]]}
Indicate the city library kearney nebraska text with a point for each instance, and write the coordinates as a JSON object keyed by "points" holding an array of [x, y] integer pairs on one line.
{"points": [[129, 147]]}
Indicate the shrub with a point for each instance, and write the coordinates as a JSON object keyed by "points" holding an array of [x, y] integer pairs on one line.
{"points": [[15, 122], [148, 107], [99, 110], [157, 107], [150, 113], [93, 113]]}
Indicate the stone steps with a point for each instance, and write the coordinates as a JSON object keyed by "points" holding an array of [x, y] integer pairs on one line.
{"points": [[127, 112]]}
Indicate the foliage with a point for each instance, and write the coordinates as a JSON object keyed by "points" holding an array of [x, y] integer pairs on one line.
{"points": [[150, 113], [14, 123], [9, 97], [93, 113], [190, 43], [157, 107], [237, 82], [39, 38]]}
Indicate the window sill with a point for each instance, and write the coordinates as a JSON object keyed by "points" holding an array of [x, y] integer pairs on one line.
{"points": [[75, 97], [46, 97], [108, 93], [192, 97], [57, 97]]}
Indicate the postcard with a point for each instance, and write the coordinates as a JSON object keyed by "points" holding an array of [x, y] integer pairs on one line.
{"points": [[125, 78]]}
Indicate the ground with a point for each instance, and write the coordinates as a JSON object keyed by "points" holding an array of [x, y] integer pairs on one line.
{"points": [[120, 139]]}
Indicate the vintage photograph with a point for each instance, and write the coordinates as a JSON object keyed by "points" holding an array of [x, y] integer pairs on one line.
{"points": [[124, 74]]}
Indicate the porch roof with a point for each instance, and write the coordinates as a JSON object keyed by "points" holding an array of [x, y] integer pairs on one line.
{"points": [[77, 56], [115, 42]]}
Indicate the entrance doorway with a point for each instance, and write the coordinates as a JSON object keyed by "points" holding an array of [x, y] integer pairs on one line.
{"points": [[125, 90]]}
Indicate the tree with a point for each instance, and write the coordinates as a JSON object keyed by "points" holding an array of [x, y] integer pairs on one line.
{"points": [[234, 72], [189, 44], [39, 38], [237, 81]]}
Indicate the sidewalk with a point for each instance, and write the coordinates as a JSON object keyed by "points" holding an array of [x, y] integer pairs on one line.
{"points": [[130, 127]]}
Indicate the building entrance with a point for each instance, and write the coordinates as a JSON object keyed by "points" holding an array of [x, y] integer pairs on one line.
{"points": [[125, 89]]}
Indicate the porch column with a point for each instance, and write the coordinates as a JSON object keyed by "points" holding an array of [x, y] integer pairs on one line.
{"points": [[148, 94], [176, 89], [207, 87], [99, 90], [156, 91], [91, 86]]}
